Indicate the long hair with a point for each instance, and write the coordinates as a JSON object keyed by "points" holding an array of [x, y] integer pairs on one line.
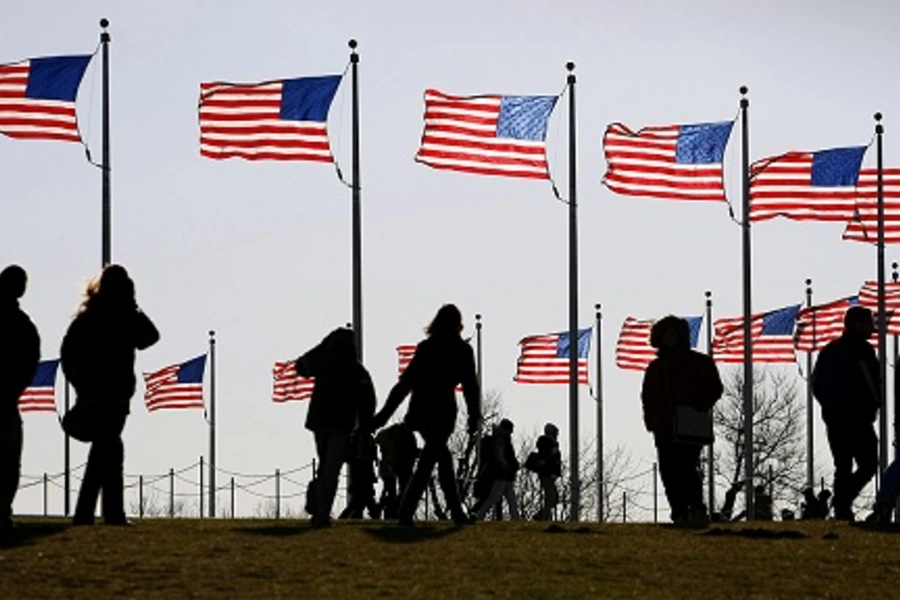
{"points": [[447, 322], [114, 289]]}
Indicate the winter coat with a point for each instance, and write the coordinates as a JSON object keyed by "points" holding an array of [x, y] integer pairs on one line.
{"points": [[846, 380], [681, 377], [20, 351]]}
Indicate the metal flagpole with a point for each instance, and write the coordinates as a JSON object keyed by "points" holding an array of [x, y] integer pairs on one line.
{"points": [[68, 473], [600, 466], [105, 167], [894, 277], [574, 475], [748, 348], [357, 219], [212, 424], [810, 466], [882, 316], [710, 456], [480, 392]]}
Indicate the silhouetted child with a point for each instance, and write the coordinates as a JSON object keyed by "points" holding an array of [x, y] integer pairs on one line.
{"points": [[399, 450], [343, 401], [503, 466], [98, 354], [20, 351], [546, 462], [362, 478]]}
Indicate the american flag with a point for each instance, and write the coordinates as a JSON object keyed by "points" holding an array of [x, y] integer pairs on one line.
{"points": [[864, 226], [771, 335], [633, 349], [868, 298], [37, 98], [673, 162], [545, 358], [287, 385], [405, 353], [176, 386], [818, 325], [40, 396], [489, 135], [274, 120], [806, 186]]}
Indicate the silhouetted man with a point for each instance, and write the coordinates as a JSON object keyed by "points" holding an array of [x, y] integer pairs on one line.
{"points": [[19, 356], [846, 383]]}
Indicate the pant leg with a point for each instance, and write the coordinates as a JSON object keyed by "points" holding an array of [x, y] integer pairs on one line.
{"points": [[332, 450], [843, 465], [509, 493], [447, 479], [493, 498], [670, 473], [10, 466], [419, 480], [691, 479], [113, 484], [865, 453], [91, 483]]}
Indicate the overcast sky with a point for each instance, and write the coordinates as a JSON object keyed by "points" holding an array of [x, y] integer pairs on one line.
{"points": [[260, 251]]}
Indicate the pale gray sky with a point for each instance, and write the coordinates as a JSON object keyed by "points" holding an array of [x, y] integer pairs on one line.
{"points": [[260, 252]]}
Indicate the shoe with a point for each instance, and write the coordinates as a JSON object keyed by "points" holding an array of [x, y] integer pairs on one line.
{"points": [[80, 520], [6, 524], [882, 514], [118, 522], [320, 523]]}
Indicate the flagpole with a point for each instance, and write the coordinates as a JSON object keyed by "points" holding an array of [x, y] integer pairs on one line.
{"points": [[480, 391], [67, 450], [748, 348], [357, 219], [574, 474], [810, 466], [105, 167], [882, 317], [710, 456], [212, 424], [599, 384], [894, 277]]}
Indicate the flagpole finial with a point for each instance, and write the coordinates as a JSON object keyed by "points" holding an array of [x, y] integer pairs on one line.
{"points": [[894, 274], [745, 102], [104, 23], [352, 43], [570, 66], [744, 89], [597, 309], [879, 128], [212, 333], [708, 295]]}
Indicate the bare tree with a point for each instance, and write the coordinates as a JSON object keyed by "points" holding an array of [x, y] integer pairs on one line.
{"points": [[778, 430]]}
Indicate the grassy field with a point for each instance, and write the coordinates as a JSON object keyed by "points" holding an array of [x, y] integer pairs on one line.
{"points": [[191, 558]]}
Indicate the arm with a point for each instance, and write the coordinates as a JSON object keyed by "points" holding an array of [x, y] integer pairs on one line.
{"points": [[403, 387], [367, 401], [145, 332]]}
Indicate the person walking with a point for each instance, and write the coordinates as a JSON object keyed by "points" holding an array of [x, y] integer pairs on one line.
{"points": [[546, 463], [98, 353], [846, 382], [679, 385], [343, 400], [20, 351], [441, 361], [503, 465]]}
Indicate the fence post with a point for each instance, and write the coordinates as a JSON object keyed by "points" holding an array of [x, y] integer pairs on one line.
{"points": [[624, 506], [141, 496], [45, 494], [655, 501], [232, 497], [201, 487], [171, 493], [277, 494]]}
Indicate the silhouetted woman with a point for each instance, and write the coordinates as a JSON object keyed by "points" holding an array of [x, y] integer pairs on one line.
{"points": [[98, 355], [20, 351], [343, 400], [678, 377], [441, 361]]}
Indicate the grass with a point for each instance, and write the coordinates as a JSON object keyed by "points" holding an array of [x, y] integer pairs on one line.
{"points": [[250, 558]]}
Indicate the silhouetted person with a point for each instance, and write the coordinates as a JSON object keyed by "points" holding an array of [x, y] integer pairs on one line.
{"points": [[814, 507], [98, 354], [679, 376], [725, 514], [441, 361], [503, 466], [20, 351], [846, 382], [399, 450], [343, 400], [546, 462], [762, 504], [361, 490]]}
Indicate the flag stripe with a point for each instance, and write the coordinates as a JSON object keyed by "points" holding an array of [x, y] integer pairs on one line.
{"points": [[166, 390], [287, 385], [864, 225], [40, 396], [539, 361]]}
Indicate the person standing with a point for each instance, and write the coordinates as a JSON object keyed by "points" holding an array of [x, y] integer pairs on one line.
{"points": [[504, 466], [98, 353], [846, 382], [441, 361], [546, 463], [343, 400], [678, 380], [20, 351]]}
